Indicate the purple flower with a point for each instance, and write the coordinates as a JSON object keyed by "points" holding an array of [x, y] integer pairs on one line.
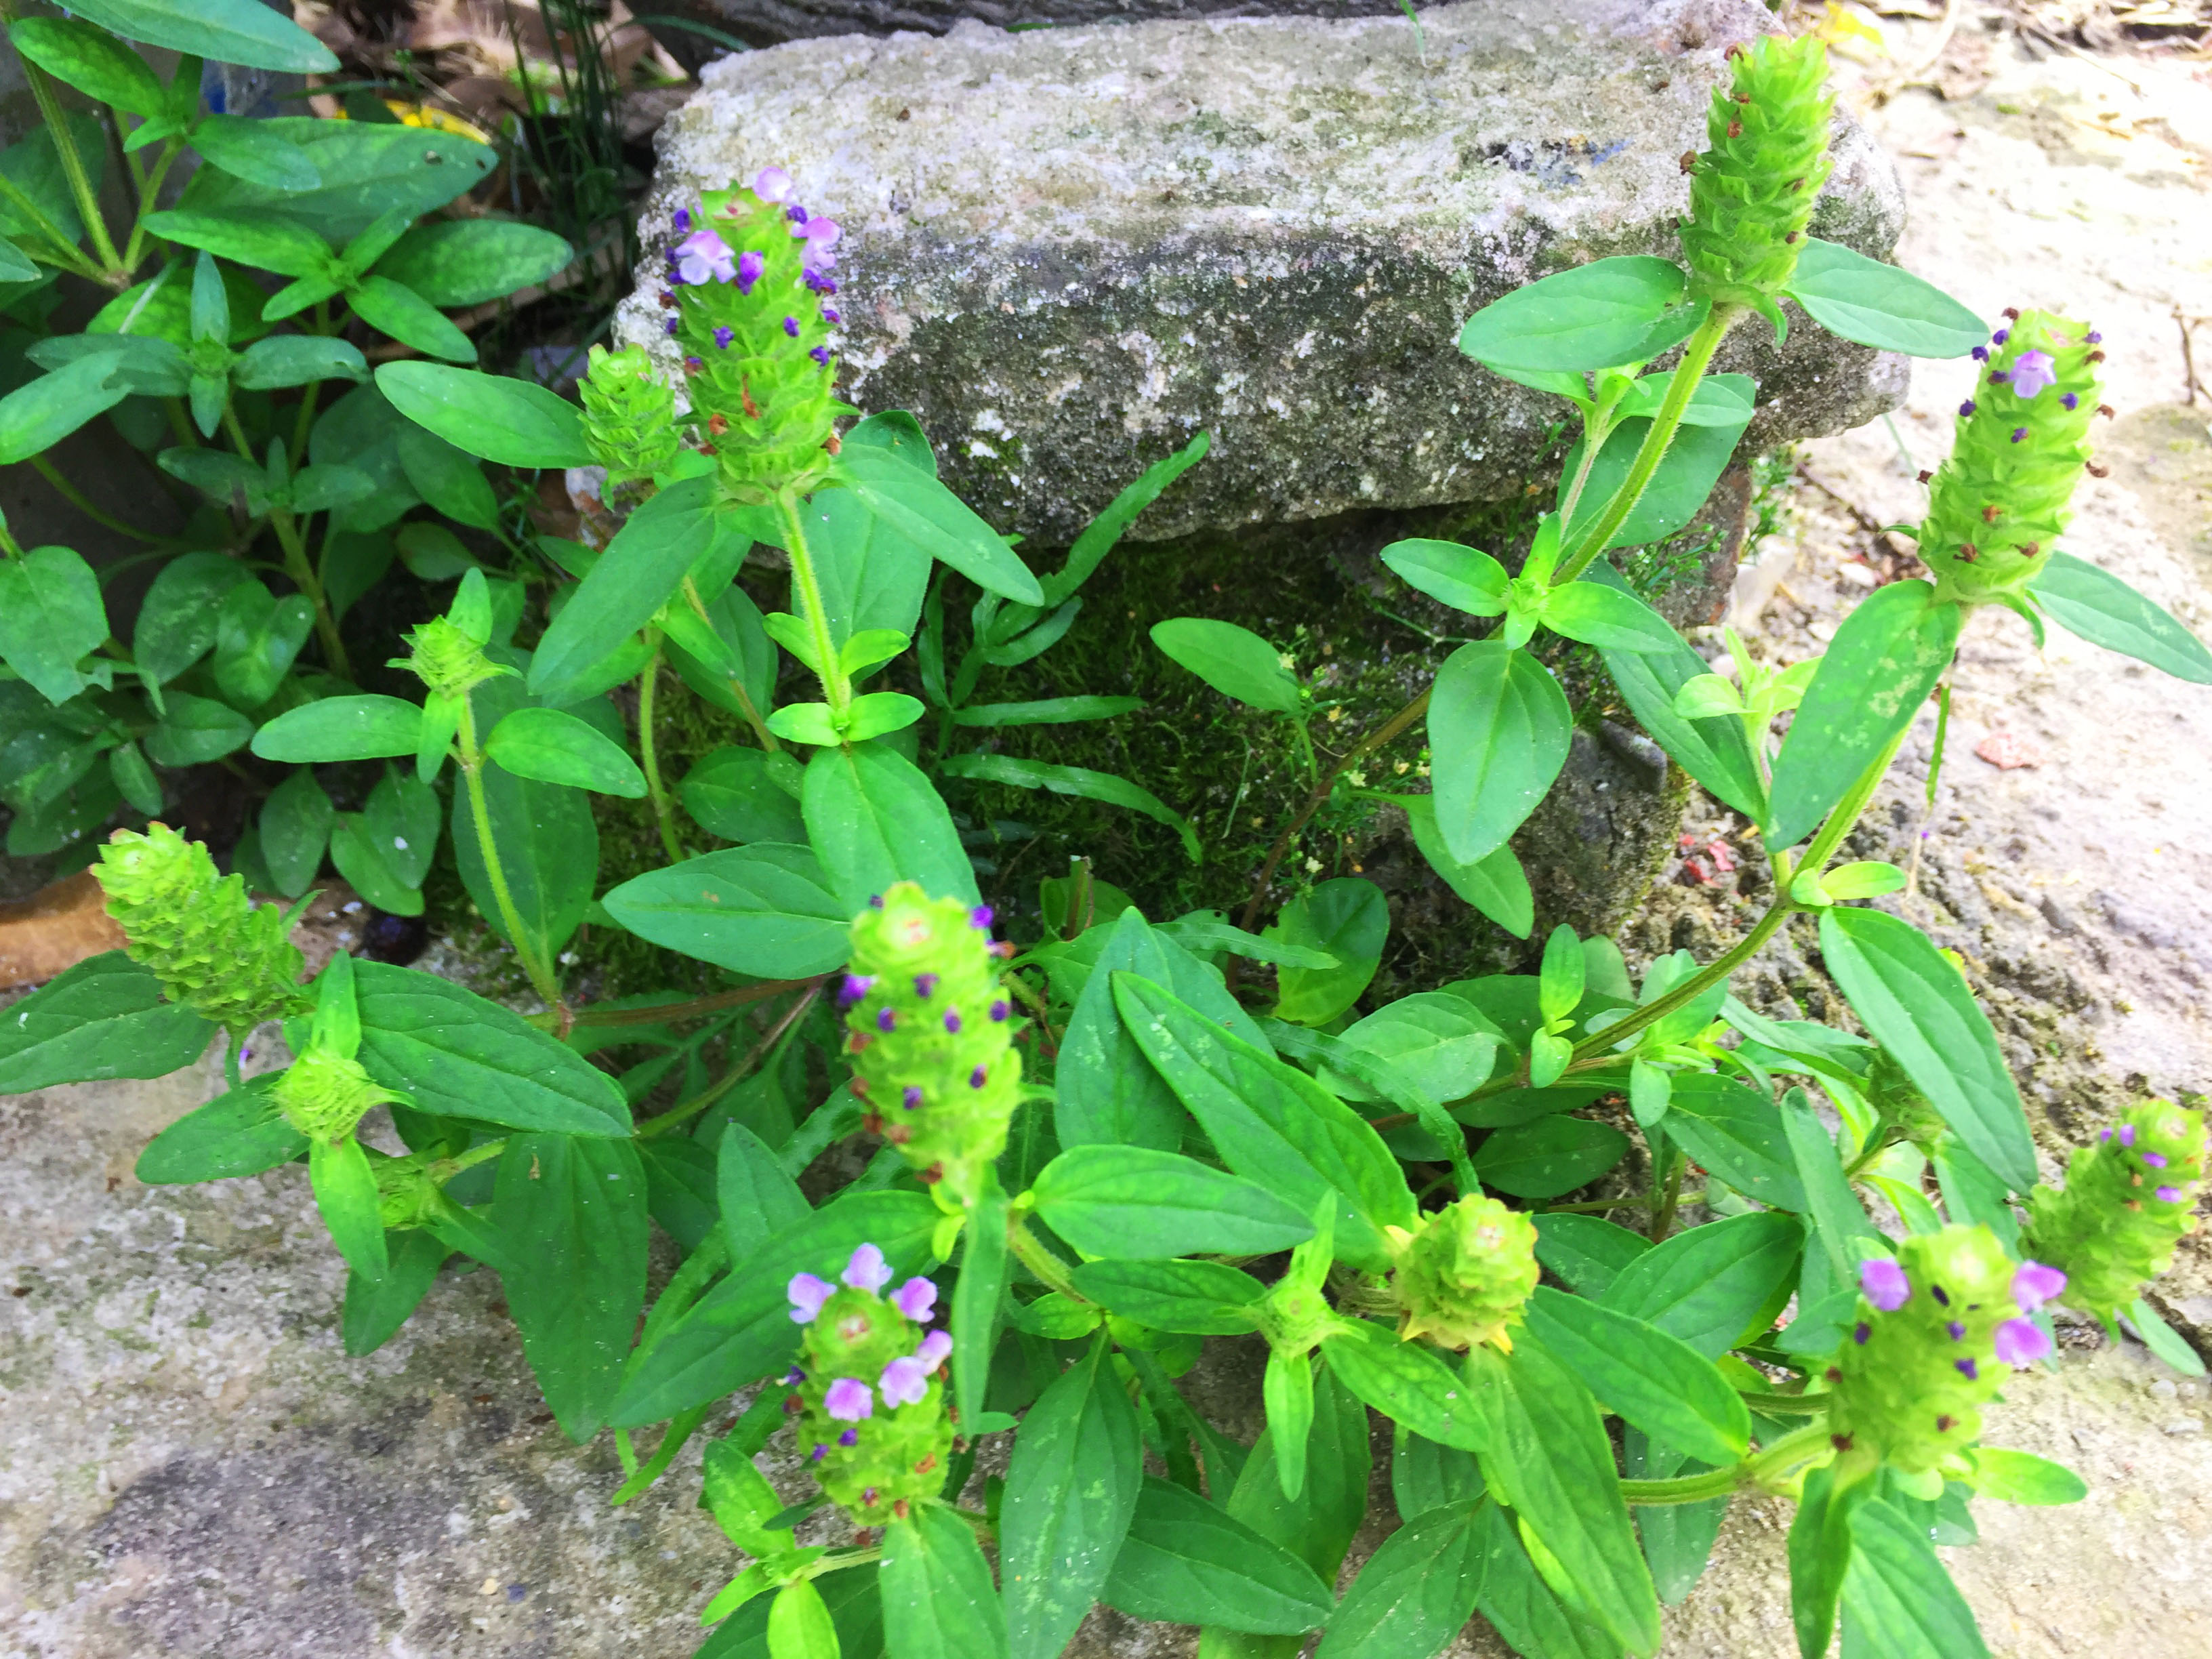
{"points": [[683, 220], [1980, 354], [2104, 1134], [724, 335], [849, 1400], [1860, 1331], [981, 917], [793, 1377], [855, 986], [831, 315], [772, 184], [797, 214], [2093, 338], [2021, 1342], [821, 355], [821, 236], [868, 1497], [2018, 433], [2154, 1160], [1884, 1284], [2071, 401], [1967, 1369], [978, 1077], [905, 1381], [925, 986], [819, 1452], [850, 1438], [807, 1294], [910, 1097], [791, 326], [998, 1012], [749, 267], [1955, 1330], [916, 1299], [671, 328], [875, 900], [2169, 1195], [703, 254], [2127, 1134], [817, 281], [886, 1020], [952, 1021], [2001, 336], [867, 1270], [1998, 376], [935, 1348], [693, 364], [1967, 407], [2031, 372]]}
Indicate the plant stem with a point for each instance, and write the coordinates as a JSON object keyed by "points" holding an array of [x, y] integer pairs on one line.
{"points": [[760, 733], [149, 199], [1696, 357], [446, 1168], [737, 1073], [76, 497], [1030, 1250], [1663, 1220], [1780, 1405], [695, 1008], [63, 251], [1777, 1459], [837, 688], [663, 810], [1585, 1206], [541, 973], [297, 565], [80, 183]]}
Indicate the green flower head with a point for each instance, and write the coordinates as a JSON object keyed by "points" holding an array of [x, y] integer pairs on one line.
{"points": [[630, 415], [2128, 1200], [1751, 191], [323, 1095], [868, 1394], [931, 1034], [1462, 1278], [753, 304], [1996, 509], [1937, 1327], [210, 945]]}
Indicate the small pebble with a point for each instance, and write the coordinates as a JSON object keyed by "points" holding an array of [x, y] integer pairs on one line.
{"points": [[2184, 1425], [2163, 1389]]}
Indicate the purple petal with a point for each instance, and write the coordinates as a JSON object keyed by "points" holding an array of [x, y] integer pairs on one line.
{"points": [[751, 266], [910, 1097], [2032, 371], [1967, 408], [981, 917], [867, 1270], [855, 986], [724, 335], [935, 1348], [1860, 1331], [2021, 1342], [905, 1381], [1884, 1284], [683, 220], [978, 1077], [821, 355], [886, 1020], [2127, 1134], [848, 1399], [2169, 1195], [2018, 433], [925, 986], [916, 1299], [952, 1021], [1967, 1369], [807, 1294], [998, 1012], [2154, 1160], [791, 326], [2001, 336], [2073, 402], [772, 184], [851, 1437]]}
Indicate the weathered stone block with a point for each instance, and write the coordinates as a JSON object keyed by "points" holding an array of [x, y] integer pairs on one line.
{"points": [[1069, 249]]}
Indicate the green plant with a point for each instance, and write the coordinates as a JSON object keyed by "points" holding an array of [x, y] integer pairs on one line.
{"points": [[304, 497], [1108, 1152]]}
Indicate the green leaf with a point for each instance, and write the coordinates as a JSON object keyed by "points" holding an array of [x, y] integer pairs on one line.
{"points": [[1877, 305], [1457, 576], [1879, 670], [266, 241], [1604, 617], [1495, 884], [237, 1133], [1407, 1383], [764, 909], [1234, 661], [1551, 1156], [2088, 600], [1917, 1006], [36, 416], [34, 166], [194, 730], [257, 638], [2019, 1477], [758, 1200], [551, 747], [1715, 750], [467, 262], [1271, 1122], [1499, 731], [1346, 918], [285, 359], [1734, 1132], [800, 1626], [448, 479], [512, 421], [241, 32], [362, 863], [1107, 1093], [376, 1307], [176, 622], [409, 318], [1317, 1526], [1434, 1040], [548, 840], [104, 1018], [914, 504], [1595, 316], [92, 61], [939, 1599], [1100, 535], [1204, 1299], [978, 1296], [1134, 1202], [1656, 1382], [369, 172], [1516, 1600], [1559, 980], [1425, 1476], [342, 729], [1676, 495], [1071, 1491], [642, 566], [856, 1611], [1867, 878], [1186, 1561], [1898, 1600], [1718, 400], [50, 616], [1706, 1285], [574, 1208], [345, 1193], [2161, 1339], [1077, 781], [1837, 1214], [1587, 1251], [1415, 1592], [462, 1056], [732, 794], [248, 150], [874, 818], [1048, 711], [1550, 1459], [1819, 1553]]}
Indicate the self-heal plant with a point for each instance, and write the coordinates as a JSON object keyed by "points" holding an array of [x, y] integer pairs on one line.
{"points": [[2128, 1200]]}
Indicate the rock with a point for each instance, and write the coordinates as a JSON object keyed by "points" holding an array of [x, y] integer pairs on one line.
{"points": [[765, 22], [57, 927], [1068, 250]]}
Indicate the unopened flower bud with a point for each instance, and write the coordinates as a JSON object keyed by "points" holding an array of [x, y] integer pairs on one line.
{"points": [[1462, 1276], [323, 1094], [212, 948], [872, 1422], [630, 414], [1752, 192], [1936, 1328], [446, 658], [931, 1042], [1998, 505], [2128, 1199]]}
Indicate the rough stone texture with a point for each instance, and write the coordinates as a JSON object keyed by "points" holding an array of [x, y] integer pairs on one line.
{"points": [[1071, 249], [767, 22]]}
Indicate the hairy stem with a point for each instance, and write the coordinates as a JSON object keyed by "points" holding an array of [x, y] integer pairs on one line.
{"points": [[149, 199], [837, 688], [663, 810], [541, 973], [77, 498], [699, 1103], [761, 735], [694, 1009], [1030, 1250]]}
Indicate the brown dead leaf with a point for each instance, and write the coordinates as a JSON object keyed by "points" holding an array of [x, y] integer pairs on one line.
{"points": [[2009, 750]]}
